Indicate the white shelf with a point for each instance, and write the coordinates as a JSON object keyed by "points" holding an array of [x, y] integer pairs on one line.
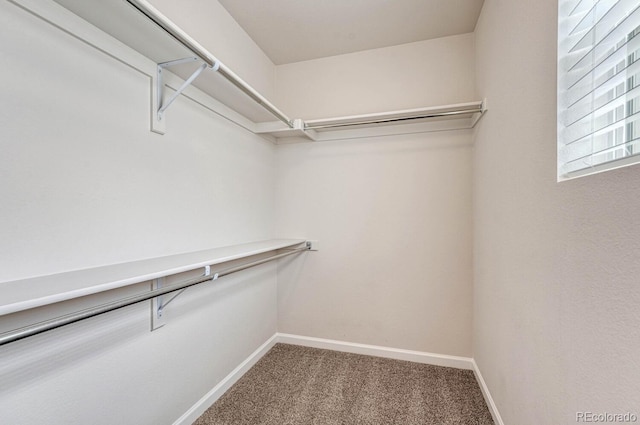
{"points": [[464, 111], [418, 120], [24, 294], [123, 22], [117, 20]]}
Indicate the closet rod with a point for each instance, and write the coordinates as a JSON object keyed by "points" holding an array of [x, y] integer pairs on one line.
{"points": [[57, 322], [320, 124], [183, 38]]}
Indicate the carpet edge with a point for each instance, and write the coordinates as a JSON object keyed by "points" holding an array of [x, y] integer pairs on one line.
{"points": [[191, 415]]}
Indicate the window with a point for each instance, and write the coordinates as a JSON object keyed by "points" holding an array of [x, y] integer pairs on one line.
{"points": [[598, 85]]}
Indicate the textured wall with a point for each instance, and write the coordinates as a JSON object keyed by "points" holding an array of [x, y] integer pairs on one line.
{"points": [[393, 217], [556, 295]]}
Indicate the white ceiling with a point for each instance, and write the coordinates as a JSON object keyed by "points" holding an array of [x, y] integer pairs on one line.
{"points": [[297, 30]]}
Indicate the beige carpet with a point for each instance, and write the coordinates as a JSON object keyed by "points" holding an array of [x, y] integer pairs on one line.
{"points": [[299, 385]]}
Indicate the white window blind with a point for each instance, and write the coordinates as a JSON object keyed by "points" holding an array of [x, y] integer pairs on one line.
{"points": [[598, 85]]}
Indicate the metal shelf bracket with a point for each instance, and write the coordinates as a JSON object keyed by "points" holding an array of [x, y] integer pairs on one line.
{"points": [[158, 304], [161, 102], [157, 319]]}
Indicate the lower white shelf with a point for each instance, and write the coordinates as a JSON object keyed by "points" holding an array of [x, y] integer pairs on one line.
{"points": [[25, 294]]}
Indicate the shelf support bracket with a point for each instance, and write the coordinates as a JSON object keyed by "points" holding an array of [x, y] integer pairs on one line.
{"points": [[160, 103], [476, 117], [158, 304]]}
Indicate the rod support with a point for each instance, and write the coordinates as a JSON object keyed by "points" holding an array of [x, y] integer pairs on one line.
{"points": [[162, 105]]}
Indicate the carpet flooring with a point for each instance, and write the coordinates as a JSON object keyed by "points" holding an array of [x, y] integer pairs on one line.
{"points": [[294, 385]]}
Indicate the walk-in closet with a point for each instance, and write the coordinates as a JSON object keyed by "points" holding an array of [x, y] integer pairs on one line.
{"points": [[300, 212]]}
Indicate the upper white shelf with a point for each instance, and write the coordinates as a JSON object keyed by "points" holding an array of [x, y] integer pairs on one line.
{"points": [[24, 294], [136, 24], [123, 22]]}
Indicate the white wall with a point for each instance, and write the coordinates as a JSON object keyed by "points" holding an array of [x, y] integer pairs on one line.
{"points": [[392, 214], [426, 73], [556, 295], [83, 183], [393, 217]]}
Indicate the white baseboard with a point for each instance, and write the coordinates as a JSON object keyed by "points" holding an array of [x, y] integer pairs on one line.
{"points": [[191, 415], [378, 351], [493, 409]]}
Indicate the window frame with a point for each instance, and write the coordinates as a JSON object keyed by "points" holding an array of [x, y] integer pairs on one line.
{"points": [[620, 138]]}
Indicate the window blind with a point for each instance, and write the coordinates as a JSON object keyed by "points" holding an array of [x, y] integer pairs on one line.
{"points": [[598, 85]]}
